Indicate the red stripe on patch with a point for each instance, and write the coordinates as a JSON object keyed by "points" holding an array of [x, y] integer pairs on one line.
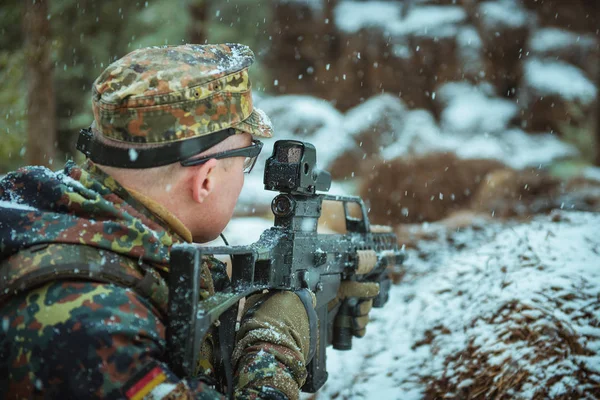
{"points": [[154, 372]]}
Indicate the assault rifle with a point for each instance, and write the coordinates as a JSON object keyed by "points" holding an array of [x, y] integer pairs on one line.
{"points": [[289, 256]]}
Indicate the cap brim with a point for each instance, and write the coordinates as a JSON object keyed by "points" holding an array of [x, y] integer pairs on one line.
{"points": [[257, 124]]}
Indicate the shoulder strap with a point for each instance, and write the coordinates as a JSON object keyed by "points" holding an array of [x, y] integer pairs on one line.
{"points": [[40, 264]]}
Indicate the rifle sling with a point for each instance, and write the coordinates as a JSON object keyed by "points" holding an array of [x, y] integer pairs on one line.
{"points": [[313, 321], [226, 332]]}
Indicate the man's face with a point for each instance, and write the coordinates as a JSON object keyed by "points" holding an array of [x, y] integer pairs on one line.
{"points": [[229, 179]]}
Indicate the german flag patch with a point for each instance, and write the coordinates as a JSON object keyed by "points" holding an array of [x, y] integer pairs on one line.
{"points": [[145, 381]]}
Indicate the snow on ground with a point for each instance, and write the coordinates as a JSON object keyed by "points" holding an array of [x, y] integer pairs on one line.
{"points": [[352, 16], [430, 21], [504, 13], [560, 79], [549, 40], [470, 52], [508, 299], [592, 173], [514, 147], [474, 109], [383, 111], [474, 124]]}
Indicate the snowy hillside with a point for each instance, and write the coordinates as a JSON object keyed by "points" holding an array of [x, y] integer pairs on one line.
{"points": [[505, 312], [474, 124], [504, 309], [497, 309]]}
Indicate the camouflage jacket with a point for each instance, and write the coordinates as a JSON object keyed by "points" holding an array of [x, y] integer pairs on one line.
{"points": [[79, 335]]}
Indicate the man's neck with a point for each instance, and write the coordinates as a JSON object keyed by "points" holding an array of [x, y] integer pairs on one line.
{"points": [[161, 211]]}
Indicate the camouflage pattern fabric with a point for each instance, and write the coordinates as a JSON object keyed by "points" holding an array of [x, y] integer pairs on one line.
{"points": [[80, 340], [169, 93], [273, 332], [39, 264], [79, 206], [77, 339]]}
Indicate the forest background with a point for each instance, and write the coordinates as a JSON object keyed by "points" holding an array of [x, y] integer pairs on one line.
{"points": [[471, 127], [51, 52], [404, 86]]}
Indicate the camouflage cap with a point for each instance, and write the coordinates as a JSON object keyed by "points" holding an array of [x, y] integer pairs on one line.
{"points": [[166, 94]]}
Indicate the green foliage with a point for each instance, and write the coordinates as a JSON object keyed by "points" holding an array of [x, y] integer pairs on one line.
{"points": [[247, 22], [10, 25], [580, 131], [87, 35], [12, 87], [13, 105], [570, 168]]}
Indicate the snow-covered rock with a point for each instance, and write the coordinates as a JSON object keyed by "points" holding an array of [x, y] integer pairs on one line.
{"points": [[592, 173], [549, 41], [352, 16], [503, 14], [504, 27], [513, 147], [420, 135], [517, 148], [559, 79], [309, 119], [470, 53], [376, 123], [474, 124], [556, 96], [469, 109]]}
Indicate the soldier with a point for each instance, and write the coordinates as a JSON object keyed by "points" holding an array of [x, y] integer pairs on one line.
{"points": [[84, 252]]}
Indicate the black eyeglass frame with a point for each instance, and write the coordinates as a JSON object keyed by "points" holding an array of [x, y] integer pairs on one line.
{"points": [[251, 151]]}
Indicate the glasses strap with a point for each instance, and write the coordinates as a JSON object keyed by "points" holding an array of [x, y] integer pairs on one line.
{"points": [[111, 156]]}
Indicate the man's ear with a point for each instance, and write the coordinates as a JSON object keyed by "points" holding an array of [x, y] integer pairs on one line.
{"points": [[203, 180]]}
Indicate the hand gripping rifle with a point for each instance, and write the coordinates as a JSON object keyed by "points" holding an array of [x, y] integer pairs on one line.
{"points": [[289, 256]]}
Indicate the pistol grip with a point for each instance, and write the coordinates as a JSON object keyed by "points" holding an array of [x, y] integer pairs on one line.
{"points": [[343, 325]]}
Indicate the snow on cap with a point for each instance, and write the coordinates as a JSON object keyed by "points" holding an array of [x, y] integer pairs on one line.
{"points": [[170, 93]]}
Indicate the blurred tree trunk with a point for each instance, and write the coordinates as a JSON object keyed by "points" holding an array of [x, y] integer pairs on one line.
{"points": [[406, 7], [598, 118], [41, 103], [330, 30], [198, 30], [329, 14]]}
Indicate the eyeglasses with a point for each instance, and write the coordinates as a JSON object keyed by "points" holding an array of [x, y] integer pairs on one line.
{"points": [[250, 152]]}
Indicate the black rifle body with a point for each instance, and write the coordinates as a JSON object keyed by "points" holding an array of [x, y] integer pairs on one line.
{"points": [[289, 256]]}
